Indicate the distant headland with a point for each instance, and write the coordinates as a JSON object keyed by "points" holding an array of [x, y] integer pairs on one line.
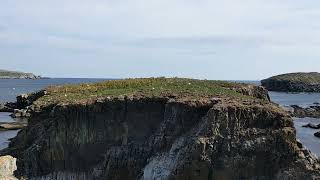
{"points": [[293, 82], [5, 74]]}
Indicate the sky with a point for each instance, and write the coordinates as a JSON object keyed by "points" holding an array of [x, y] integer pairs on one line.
{"points": [[205, 39]]}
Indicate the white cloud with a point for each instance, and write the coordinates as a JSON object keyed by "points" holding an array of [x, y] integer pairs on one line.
{"points": [[240, 32]]}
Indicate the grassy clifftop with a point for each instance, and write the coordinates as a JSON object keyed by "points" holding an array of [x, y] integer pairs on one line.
{"points": [[146, 87], [308, 78], [4, 74], [294, 82]]}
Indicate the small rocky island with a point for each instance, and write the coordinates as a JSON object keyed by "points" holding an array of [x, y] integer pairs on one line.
{"points": [[159, 128], [4, 74], [293, 82]]}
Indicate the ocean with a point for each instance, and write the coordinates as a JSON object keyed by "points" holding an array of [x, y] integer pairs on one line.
{"points": [[9, 89]]}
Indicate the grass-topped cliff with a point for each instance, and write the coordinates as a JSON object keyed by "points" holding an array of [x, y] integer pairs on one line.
{"points": [[147, 87], [294, 82], [159, 128], [4, 74]]}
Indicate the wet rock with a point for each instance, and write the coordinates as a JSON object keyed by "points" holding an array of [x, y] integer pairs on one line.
{"points": [[300, 112], [317, 134], [7, 107], [7, 168], [313, 126]]}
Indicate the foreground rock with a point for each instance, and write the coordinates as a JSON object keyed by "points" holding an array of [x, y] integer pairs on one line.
{"points": [[293, 82], [179, 132], [7, 168], [311, 111]]}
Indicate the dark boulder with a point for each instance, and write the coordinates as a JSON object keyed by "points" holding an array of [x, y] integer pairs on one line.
{"points": [[26, 100], [317, 134]]}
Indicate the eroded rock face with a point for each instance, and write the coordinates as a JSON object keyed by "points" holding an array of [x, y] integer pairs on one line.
{"points": [[161, 138], [7, 168]]}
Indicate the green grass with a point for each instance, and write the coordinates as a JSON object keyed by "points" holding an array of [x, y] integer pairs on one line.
{"points": [[4, 73], [308, 78], [149, 87]]}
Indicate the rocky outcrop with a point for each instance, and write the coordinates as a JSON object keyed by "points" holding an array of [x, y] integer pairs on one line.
{"points": [[17, 113], [254, 91], [300, 112], [4, 74], [293, 82], [162, 137], [25, 100], [313, 126], [7, 107], [7, 168]]}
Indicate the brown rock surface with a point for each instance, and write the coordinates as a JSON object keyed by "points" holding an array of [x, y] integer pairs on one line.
{"points": [[163, 137]]}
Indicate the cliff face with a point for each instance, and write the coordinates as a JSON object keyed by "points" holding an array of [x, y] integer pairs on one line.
{"points": [[4, 74], [294, 82], [139, 137]]}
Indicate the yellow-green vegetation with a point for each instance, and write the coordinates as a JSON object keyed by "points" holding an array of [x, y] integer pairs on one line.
{"points": [[148, 87], [15, 74], [306, 78]]}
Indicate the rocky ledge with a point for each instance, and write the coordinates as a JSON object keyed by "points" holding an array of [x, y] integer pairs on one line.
{"points": [[160, 129], [293, 82], [302, 112]]}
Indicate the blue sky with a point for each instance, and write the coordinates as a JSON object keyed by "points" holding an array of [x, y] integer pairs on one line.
{"points": [[207, 39]]}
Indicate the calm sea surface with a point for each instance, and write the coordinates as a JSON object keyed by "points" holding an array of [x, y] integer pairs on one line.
{"points": [[9, 89]]}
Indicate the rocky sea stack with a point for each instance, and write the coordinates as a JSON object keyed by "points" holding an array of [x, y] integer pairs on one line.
{"points": [[4, 74], [158, 129], [293, 82]]}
